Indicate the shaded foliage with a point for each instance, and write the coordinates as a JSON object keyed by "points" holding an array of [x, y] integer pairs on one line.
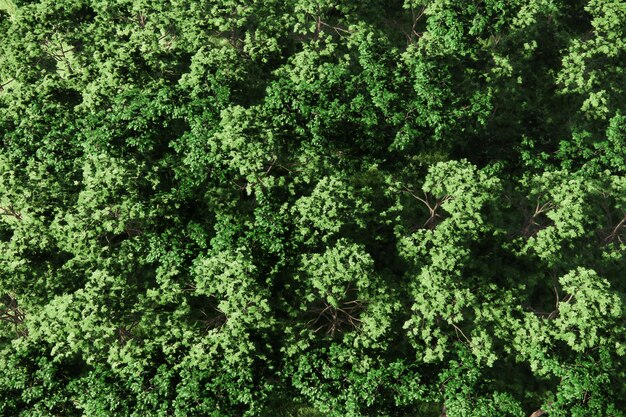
{"points": [[342, 208]]}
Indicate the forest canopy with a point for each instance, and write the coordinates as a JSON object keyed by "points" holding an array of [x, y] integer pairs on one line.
{"points": [[333, 208]]}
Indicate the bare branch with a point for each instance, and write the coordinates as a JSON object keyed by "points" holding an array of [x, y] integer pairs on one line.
{"points": [[532, 226], [431, 222], [337, 29], [616, 231], [458, 330], [334, 319], [10, 211], [6, 83], [142, 19]]}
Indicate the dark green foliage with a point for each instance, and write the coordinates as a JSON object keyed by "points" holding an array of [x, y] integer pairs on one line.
{"points": [[303, 208]]}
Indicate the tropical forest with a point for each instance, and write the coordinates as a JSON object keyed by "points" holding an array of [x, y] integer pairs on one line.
{"points": [[312, 208]]}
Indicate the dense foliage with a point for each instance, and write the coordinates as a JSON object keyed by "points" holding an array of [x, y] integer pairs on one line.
{"points": [[312, 207]]}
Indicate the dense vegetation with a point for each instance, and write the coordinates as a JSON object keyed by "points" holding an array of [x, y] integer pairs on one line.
{"points": [[312, 207]]}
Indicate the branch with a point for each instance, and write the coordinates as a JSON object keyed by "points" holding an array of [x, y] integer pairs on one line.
{"points": [[430, 222], [458, 330], [415, 20], [539, 209], [10, 211], [142, 19], [6, 83], [614, 233], [337, 29]]}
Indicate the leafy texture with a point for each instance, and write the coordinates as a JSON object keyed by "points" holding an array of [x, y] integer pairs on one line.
{"points": [[312, 208]]}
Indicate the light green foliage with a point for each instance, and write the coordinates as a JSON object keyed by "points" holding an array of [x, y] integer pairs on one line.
{"points": [[344, 280], [8, 6], [589, 61], [587, 308], [230, 279], [312, 208], [591, 65], [565, 201], [440, 289], [330, 208], [466, 391]]}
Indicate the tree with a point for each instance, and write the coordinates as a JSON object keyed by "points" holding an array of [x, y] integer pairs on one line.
{"points": [[339, 208]]}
